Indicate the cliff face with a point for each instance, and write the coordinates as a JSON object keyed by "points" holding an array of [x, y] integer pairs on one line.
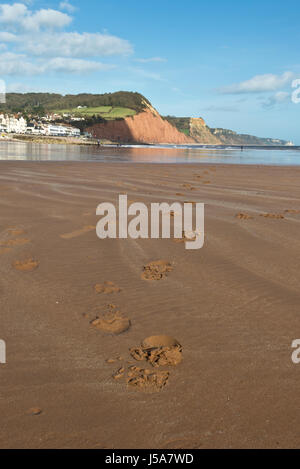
{"points": [[195, 128], [145, 127], [229, 137], [201, 133]]}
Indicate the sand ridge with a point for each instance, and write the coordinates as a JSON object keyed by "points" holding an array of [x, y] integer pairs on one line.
{"points": [[79, 232]]}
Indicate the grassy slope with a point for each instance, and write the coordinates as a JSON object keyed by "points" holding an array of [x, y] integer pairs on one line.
{"points": [[106, 112], [47, 102], [181, 123]]}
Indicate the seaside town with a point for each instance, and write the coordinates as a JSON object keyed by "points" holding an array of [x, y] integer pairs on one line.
{"points": [[46, 125]]}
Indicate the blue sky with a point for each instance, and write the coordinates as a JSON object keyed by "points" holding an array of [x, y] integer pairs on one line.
{"points": [[230, 62]]}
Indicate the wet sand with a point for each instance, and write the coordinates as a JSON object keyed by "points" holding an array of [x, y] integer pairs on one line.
{"points": [[233, 306]]}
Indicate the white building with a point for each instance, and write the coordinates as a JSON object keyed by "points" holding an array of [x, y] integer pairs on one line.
{"points": [[62, 131], [12, 124]]}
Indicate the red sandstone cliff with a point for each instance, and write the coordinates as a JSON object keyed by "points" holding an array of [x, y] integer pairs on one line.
{"points": [[145, 127]]}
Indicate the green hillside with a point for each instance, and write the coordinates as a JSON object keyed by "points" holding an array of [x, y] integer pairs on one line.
{"points": [[181, 123], [122, 102], [106, 112]]}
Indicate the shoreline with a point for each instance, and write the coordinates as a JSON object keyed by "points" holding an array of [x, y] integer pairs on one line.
{"points": [[49, 140], [94, 142]]}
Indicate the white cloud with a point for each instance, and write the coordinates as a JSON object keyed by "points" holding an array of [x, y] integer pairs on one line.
{"points": [[61, 64], [18, 64], [151, 59], [12, 14], [146, 74], [8, 37], [35, 42], [51, 19], [18, 16], [75, 45], [259, 83], [278, 98], [67, 6]]}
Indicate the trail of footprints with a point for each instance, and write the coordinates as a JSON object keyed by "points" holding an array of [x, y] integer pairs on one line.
{"points": [[12, 238], [274, 216], [155, 352]]}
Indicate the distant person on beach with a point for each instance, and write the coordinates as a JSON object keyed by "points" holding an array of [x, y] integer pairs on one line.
{"points": [[242, 148]]}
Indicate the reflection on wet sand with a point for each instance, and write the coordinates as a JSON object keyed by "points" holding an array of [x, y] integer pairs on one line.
{"points": [[147, 154]]}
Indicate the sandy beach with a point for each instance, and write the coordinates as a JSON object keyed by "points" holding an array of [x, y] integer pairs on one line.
{"points": [[234, 306]]}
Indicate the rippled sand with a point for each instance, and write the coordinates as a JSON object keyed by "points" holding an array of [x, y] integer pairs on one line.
{"points": [[233, 306]]}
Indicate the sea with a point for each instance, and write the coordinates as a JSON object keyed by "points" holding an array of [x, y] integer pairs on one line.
{"points": [[181, 154]]}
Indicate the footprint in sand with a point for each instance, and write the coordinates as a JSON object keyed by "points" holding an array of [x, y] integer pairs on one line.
{"points": [[189, 187], [142, 379], [15, 242], [291, 210], [160, 350], [26, 266], [112, 322], [110, 361], [156, 270], [34, 411], [107, 288], [277, 216], [146, 380], [15, 232], [243, 216], [119, 373], [185, 238], [80, 232]]}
